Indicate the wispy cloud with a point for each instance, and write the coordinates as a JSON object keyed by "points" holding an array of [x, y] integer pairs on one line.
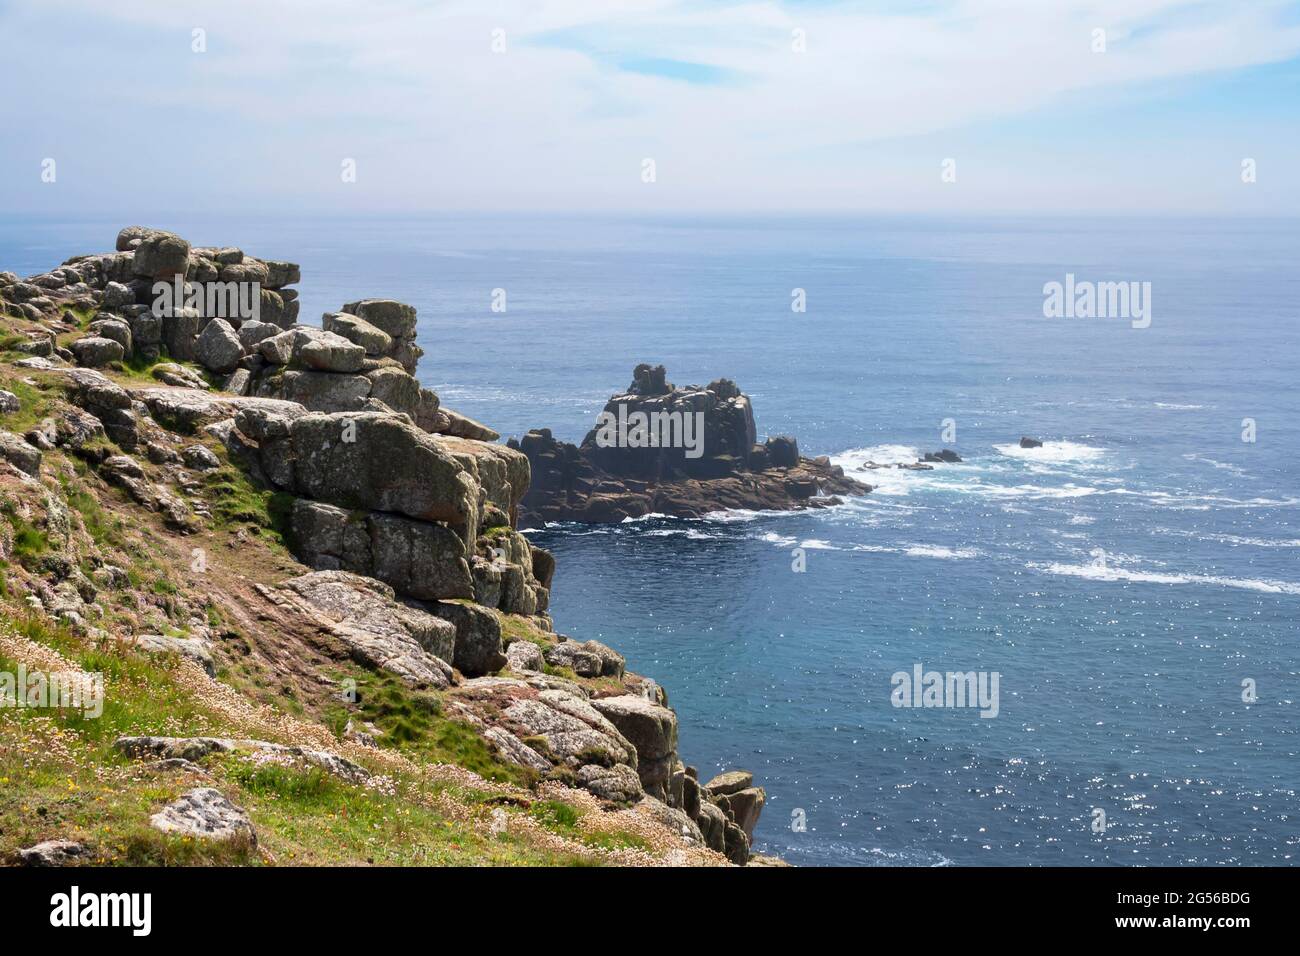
{"points": [[746, 105]]}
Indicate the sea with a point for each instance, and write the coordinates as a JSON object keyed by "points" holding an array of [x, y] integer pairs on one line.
{"points": [[1133, 583]]}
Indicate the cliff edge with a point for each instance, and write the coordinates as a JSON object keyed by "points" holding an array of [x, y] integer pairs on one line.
{"points": [[298, 583]]}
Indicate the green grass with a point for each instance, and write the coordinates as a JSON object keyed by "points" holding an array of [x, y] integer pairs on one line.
{"points": [[83, 789], [139, 368], [103, 528], [307, 786], [555, 815], [302, 814], [36, 405], [562, 818], [412, 722], [514, 627], [140, 694], [30, 543], [42, 799], [237, 502], [316, 815]]}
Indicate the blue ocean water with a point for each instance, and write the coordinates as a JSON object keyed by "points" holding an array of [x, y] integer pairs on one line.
{"points": [[1123, 581]]}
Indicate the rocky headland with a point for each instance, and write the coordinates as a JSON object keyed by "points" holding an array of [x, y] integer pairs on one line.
{"points": [[281, 551], [682, 452]]}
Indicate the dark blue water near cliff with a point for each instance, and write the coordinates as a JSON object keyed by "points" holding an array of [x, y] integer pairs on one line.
{"points": [[1124, 580]]}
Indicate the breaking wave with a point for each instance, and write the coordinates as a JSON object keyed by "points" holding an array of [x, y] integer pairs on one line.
{"points": [[1053, 452], [1102, 572]]}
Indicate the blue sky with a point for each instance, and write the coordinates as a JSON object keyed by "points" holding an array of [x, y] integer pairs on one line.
{"points": [[533, 105]]}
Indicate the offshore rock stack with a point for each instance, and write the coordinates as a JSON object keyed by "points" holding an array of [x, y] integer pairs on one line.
{"points": [[405, 513], [717, 464]]}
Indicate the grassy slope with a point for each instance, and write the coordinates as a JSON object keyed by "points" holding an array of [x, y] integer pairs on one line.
{"points": [[61, 778]]}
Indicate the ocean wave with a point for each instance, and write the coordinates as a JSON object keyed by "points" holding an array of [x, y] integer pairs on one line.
{"points": [[817, 544], [855, 458], [467, 393], [1053, 452], [1192, 502], [571, 529], [919, 551], [1236, 539], [985, 476], [1068, 490], [1103, 572], [851, 854], [1221, 465], [902, 483], [743, 515], [693, 534], [909, 549], [937, 551], [652, 516], [1175, 406]]}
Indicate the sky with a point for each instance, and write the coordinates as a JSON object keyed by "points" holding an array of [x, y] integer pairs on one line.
{"points": [[406, 106]]}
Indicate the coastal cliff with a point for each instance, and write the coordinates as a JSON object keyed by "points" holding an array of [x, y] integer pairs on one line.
{"points": [[683, 452], [300, 581]]}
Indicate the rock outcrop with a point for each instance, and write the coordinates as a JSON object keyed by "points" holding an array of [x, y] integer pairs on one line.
{"points": [[379, 631], [405, 514], [685, 452], [53, 853], [204, 814], [195, 748]]}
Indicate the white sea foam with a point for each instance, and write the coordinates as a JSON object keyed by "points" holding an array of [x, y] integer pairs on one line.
{"points": [[742, 515], [1174, 406], [1191, 502], [982, 477], [855, 458], [1068, 490], [693, 534], [652, 516], [1221, 465], [932, 551], [889, 481], [1102, 572], [919, 551], [1054, 452], [1236, 539], [466, 394]]}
